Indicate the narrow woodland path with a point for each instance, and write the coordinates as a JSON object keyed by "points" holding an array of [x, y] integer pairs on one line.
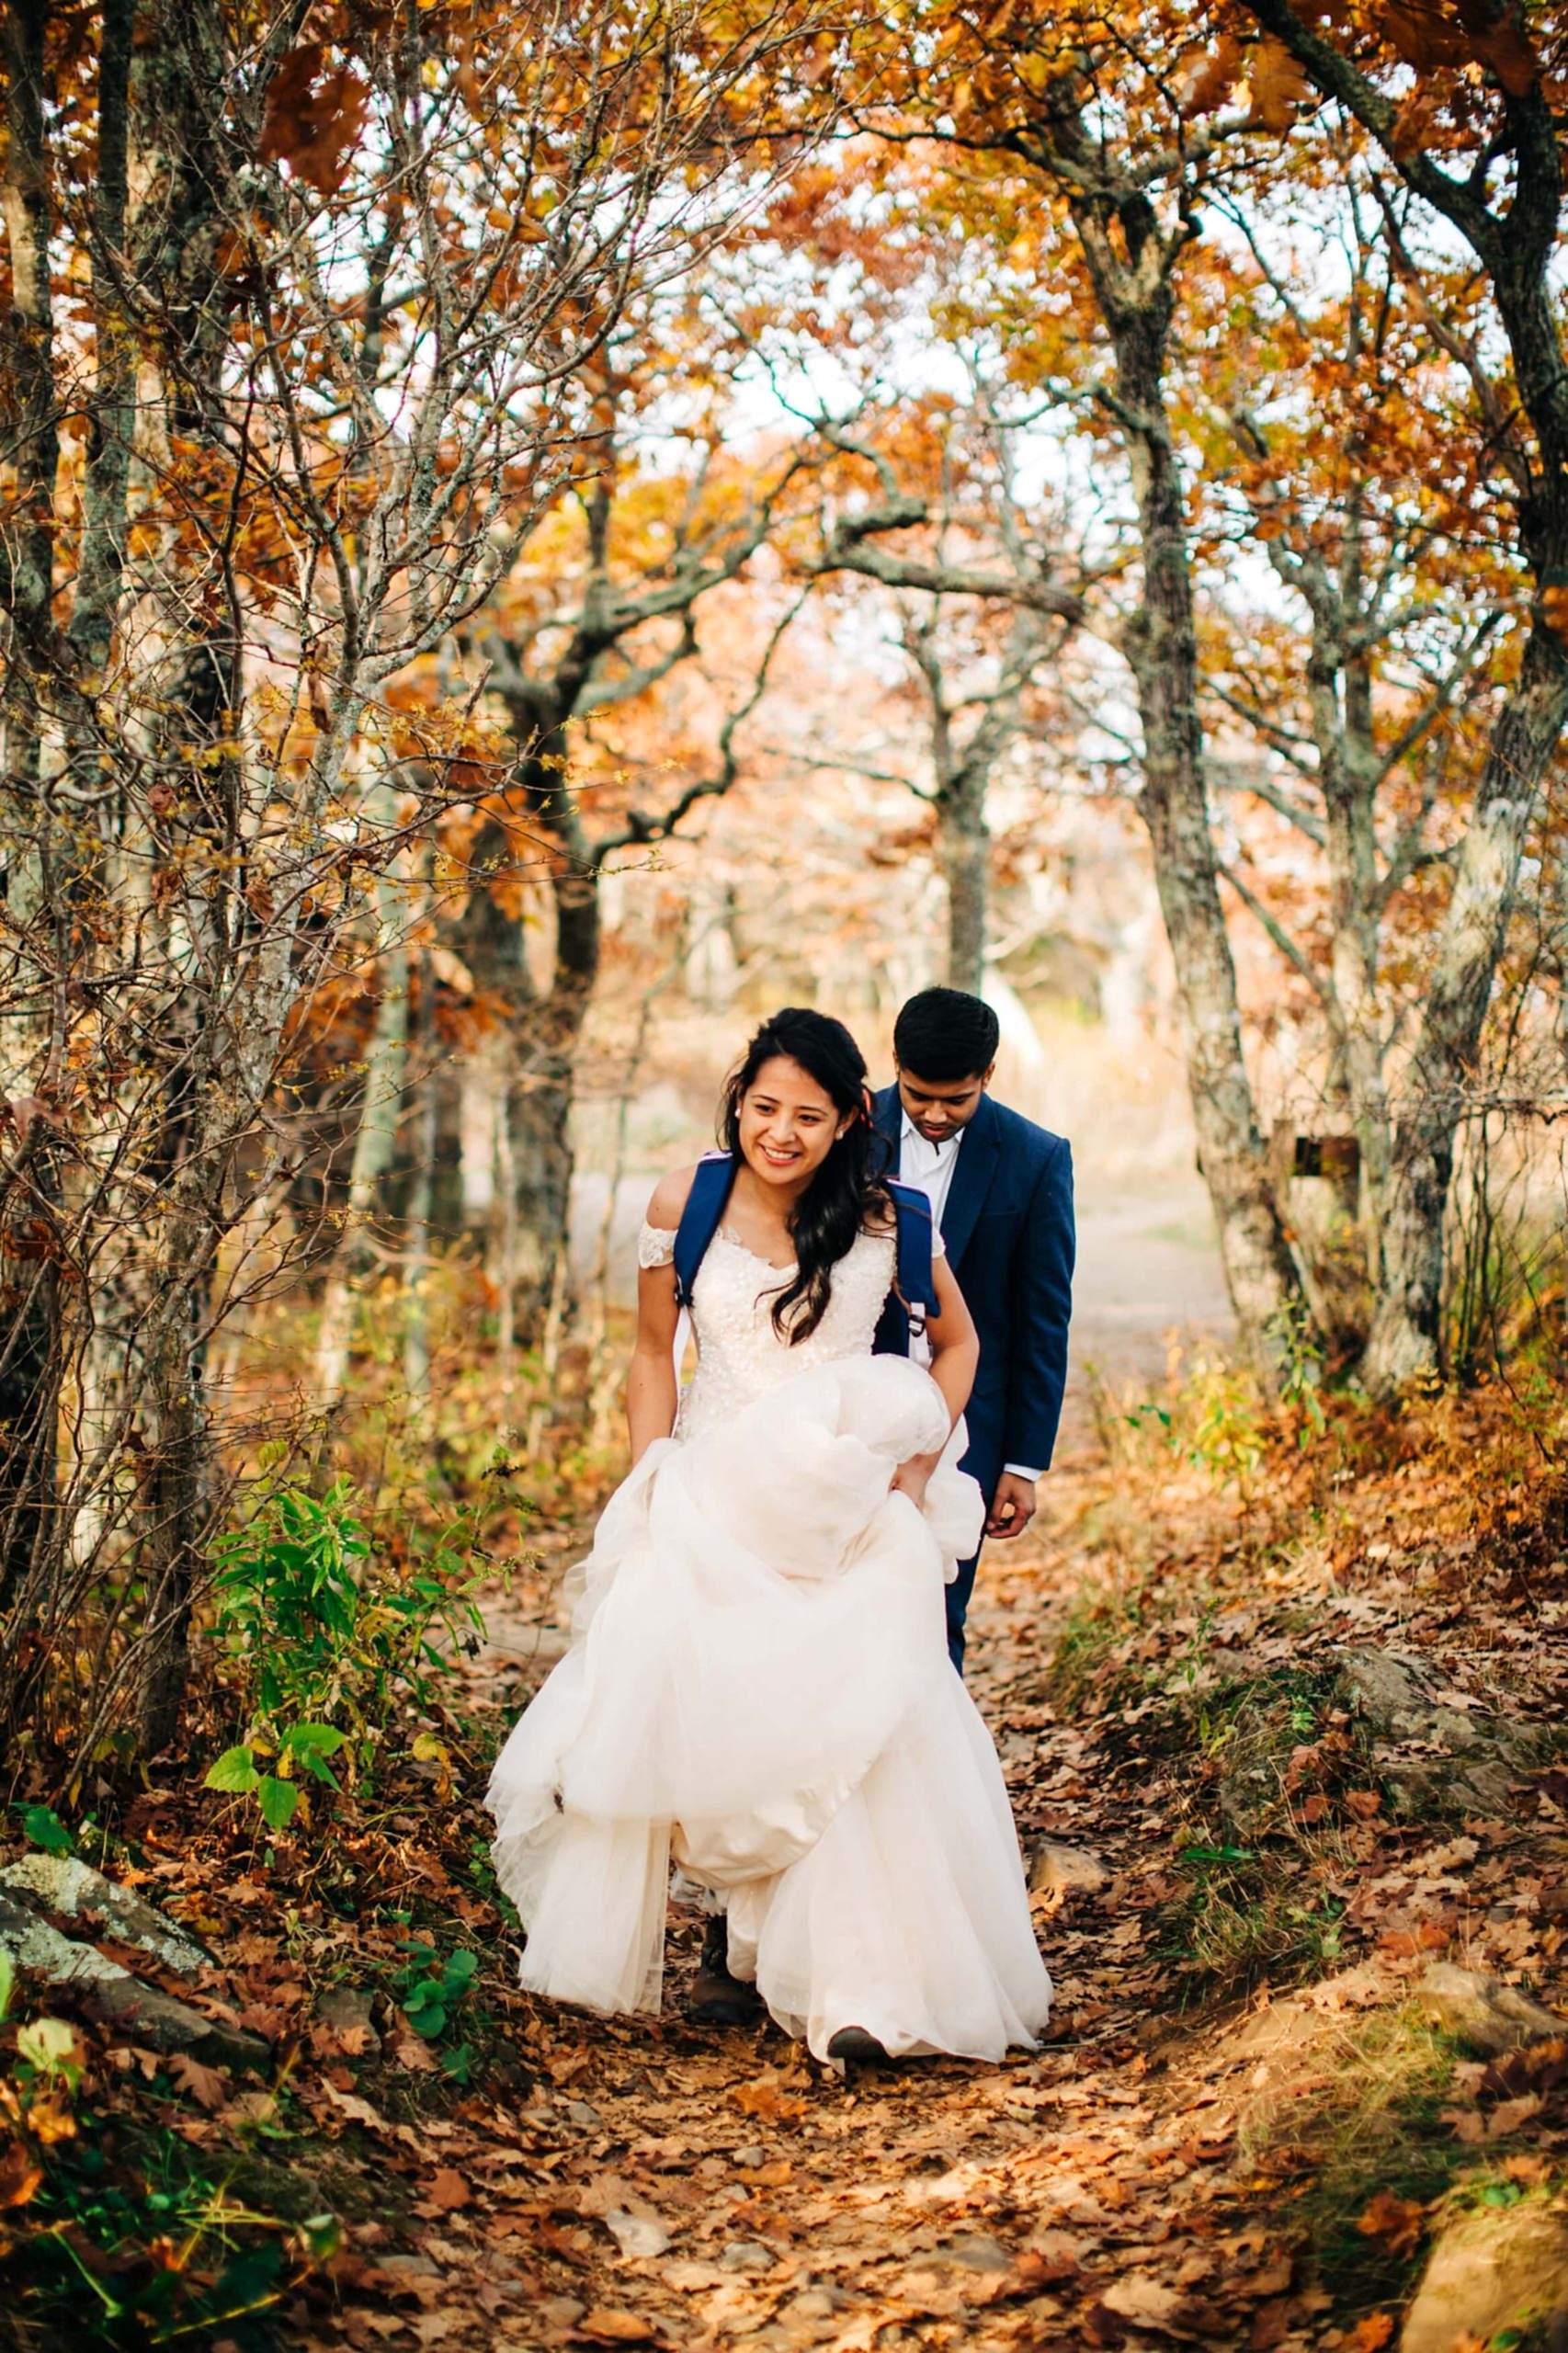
{"points": [[658, 2184], [1285, 1771]]}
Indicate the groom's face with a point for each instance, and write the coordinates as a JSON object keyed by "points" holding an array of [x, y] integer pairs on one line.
{"points": [[940, 1107]]}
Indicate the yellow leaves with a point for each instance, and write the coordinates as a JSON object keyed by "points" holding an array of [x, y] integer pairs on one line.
{"points": [[1416, 117], [1034, 72], [429, 1750]]}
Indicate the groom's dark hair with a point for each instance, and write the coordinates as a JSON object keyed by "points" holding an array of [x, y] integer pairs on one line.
{"points": [[946, 1034]]}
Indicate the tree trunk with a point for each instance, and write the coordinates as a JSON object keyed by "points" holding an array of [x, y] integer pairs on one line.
{"points": [[1161, 646], [540, 1100], [30, 1369], [374, 1143], [29, 1351], [1406, 1341], [178, 1498], [964, 847], [421, 1188]]}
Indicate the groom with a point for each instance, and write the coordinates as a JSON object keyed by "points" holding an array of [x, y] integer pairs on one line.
{"points": [[1001, 1193]]}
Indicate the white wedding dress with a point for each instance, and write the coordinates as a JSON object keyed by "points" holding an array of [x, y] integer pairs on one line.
{"points": [[758, 1690]]}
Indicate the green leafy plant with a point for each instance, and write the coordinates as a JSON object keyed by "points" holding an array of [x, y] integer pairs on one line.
{"points": [[1298, 1359], [307, 1747], [432, 1989], [41, 1827], [322, 1635], [289, 1599], [1224, 1433]]}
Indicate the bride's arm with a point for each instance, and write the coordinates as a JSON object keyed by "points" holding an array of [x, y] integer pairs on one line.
{"points": [[653, 1392], [955, 1358], [955, 1344]]}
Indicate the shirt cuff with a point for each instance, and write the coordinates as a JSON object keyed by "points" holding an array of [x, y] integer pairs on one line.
{"points": [[1019, 1472]]}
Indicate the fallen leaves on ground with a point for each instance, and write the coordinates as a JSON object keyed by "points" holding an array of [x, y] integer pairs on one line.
{"points": [[1153, 2176]]}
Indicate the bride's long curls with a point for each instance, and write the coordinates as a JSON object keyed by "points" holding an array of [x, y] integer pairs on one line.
{"points": [[849, 1187]]}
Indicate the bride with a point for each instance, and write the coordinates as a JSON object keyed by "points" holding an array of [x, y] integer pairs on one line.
{"points": [[758, 1687]]}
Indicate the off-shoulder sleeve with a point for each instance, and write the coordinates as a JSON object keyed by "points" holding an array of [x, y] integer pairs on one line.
{"points": [[655, 1245]]}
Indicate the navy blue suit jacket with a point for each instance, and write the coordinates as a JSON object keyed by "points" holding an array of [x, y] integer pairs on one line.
{"points": [[1007, 1225]]}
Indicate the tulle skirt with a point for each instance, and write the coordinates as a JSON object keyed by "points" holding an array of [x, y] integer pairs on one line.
{"points": [[758, 1690]]}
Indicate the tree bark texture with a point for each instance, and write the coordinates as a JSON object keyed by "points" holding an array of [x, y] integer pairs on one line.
{"points": [[374, 1142], [30, 1299], [1162, 647], [1406, 1341], [1517, 247]]}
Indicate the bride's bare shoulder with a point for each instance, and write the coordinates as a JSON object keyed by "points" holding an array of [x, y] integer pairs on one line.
{"points": [[670, 1197]]}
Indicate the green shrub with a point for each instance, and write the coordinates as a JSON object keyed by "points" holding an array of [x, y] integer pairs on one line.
{"points": [[323, 1636]]}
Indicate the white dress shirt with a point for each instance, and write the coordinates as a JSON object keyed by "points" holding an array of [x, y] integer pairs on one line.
{"points": [[931, 1165]]}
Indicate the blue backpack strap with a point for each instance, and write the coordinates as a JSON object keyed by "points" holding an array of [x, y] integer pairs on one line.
{"points": [[916, 1283], [710, 1186]]}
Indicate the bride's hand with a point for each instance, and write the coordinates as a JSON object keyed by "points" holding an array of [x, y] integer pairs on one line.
{"points": [[912, 1478]]}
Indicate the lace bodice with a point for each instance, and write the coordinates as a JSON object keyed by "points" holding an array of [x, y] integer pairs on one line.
{"points": [[739, 1354]]}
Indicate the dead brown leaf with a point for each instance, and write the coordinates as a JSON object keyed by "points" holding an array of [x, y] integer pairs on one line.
{"points": [[20, 2175], [447, 2192], [206, 2085], [1398, 2223], [603, 2326]]}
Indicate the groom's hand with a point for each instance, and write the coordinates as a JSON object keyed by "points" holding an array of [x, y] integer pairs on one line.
{"points": [[1012, 1506]]}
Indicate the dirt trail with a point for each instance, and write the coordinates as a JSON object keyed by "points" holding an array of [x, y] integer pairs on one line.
{"points": [[663, 2185], [1171, 2167]]}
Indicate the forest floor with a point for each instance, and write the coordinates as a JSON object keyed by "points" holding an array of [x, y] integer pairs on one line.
{"points": [[1243, 2129]]}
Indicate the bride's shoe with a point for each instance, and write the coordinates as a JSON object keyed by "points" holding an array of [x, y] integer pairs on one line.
{"points": [[718, 1998], [853, 2042]]}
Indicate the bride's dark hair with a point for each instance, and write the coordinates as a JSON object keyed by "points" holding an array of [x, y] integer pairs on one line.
{"points": [[847, 1189]]}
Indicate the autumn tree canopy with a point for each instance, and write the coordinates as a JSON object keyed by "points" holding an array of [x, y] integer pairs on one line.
{"points": [[450, 459]]}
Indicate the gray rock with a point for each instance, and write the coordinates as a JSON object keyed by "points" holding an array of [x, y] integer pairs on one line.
{"points": [[818, 2302], [41, 1951], [975, 2252], [1056, 1872], [347, 2010], [163, 2024], [1503, 2271], [1464, 1758], [64, 1883], [637, 2233], [113, 1994], [746, 2254], [1491, 2016]]}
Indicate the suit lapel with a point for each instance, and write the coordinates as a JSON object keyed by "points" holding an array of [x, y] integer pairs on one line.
{"points": [[978, 1155], [889, 1122]]}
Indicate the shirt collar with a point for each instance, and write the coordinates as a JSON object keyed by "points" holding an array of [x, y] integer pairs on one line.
{"points": [[911, 1133]]}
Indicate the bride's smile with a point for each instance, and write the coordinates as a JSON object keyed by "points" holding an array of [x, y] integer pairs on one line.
{"points": [[788, 1124]]}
